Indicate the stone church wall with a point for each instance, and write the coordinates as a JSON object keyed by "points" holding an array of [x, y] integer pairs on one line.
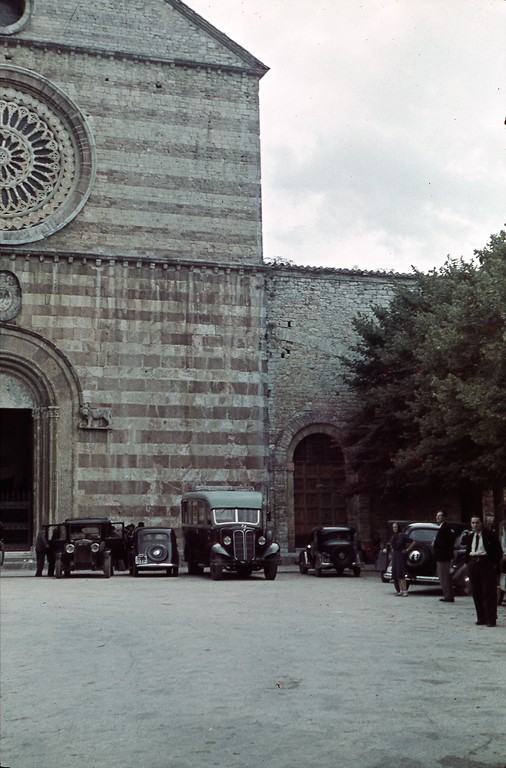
{"points": [[177, 158], [171, 363], [309, 326], [152, 344]]}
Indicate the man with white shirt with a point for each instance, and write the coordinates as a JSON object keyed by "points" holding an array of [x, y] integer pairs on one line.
{"points": [[483, 555]]}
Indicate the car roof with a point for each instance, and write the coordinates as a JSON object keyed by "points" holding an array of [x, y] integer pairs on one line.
{"points": [[87, 520], [428, 526], [333, 528], [154, 529]]}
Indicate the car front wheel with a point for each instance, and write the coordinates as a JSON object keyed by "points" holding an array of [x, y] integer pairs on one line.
{"points": [[58, 568], [303, 567], [357, 571]]}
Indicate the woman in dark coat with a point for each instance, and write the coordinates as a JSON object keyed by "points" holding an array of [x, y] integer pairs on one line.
{"points": [[400, 544]]}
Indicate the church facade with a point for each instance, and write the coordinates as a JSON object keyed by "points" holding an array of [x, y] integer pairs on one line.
{"points": [[146, 347]]}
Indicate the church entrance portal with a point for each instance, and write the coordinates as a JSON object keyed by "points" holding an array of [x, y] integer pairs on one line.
{"points": [[40, 397], [16, 477], [318, 482]]}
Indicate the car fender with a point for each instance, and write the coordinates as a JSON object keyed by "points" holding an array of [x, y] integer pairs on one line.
{"points": [[217, 549], [271, 551]]}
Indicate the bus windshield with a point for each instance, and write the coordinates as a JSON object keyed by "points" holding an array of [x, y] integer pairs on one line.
{"points": [[228, 515]]}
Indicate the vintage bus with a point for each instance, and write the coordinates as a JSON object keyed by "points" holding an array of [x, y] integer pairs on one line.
{"points": [[223, 530]]}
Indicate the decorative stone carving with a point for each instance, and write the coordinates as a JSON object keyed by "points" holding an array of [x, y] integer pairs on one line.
{"points": [[10, 296], [46, 157], [95, 418]]}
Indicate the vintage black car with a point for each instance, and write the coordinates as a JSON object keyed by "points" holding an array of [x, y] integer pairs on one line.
{"points": [[331, 548], [223, 529], [154, 549], [421, 565], [86, 544]]}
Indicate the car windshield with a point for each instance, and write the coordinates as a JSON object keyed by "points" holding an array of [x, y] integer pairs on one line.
{"points": [[84, 532], [228, 515], [155, 536], [422, 534]]}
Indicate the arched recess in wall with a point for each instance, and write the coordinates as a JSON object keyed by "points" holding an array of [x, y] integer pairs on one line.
{"points": [[37, 379], [314, 477]]}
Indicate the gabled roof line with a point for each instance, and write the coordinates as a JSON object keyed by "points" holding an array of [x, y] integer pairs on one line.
{"points": [[250, 61]]}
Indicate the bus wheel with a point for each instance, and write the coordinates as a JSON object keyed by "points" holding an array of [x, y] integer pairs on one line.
{"points": [[270, 570]]}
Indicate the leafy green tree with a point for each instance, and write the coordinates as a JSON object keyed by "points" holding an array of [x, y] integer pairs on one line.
{"points": [[430, 374]]}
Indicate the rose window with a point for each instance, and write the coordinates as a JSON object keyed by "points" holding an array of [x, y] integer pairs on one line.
{"points": [[46, 158], [36, 165]]}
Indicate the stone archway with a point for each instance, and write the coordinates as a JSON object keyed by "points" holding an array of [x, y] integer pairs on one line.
{"points": [[36, 377], [282, 502], [318, 485]]}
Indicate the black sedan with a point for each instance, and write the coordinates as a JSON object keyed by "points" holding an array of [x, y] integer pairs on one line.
{"points": [[331, 548], [154, 549]]}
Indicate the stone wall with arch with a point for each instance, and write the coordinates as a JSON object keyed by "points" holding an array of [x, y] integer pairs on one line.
{"points": [[310, 316], [282, 492], [34, 374]]}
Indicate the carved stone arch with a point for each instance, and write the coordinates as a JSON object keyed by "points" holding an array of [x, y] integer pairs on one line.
{"points": [[303, 425], [34, 374]]}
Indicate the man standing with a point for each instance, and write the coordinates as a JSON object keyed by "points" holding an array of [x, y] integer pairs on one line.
{"points": [[443, 549], [41, 550], [483, 555]]}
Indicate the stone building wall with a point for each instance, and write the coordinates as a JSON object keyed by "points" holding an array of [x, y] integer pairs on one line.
{"points": [[173, 115], [130, 232], [136, 312], [170, 362], [309, 326]]}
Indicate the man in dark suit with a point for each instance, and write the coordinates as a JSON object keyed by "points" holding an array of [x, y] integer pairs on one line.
{"points": [[443, 550], [483, 555]]}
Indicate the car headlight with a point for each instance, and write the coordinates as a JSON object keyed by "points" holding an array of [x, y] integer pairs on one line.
{"points": [[227, 541], [95, 547], [69, 548], [262, 540]]}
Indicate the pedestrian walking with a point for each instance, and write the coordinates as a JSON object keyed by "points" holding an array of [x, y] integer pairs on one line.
{"points": [[400, 544], [443, 550], [483, 555]]}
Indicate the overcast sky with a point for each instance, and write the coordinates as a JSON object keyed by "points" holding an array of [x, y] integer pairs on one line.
{"points": [[382, 126]]}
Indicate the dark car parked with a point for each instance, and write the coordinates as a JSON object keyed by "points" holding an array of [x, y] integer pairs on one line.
{"points": [[421, 566], [331, 548], [86, 544], [154, 549]]}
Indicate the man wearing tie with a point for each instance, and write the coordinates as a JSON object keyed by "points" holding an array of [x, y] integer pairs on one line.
{"points": [[483, 555]]}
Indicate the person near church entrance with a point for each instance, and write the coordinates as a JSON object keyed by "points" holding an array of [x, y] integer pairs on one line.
{"points": [[41, 550], [483, 555], [443, 550]]}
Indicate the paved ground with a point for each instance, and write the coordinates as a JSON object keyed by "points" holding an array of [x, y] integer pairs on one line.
{"points": [[160, 672]]}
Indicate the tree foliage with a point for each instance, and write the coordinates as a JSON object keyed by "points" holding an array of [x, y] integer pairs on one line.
{"points": [[430, 373]]}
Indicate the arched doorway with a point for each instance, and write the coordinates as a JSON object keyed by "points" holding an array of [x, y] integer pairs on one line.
{"points": [[16, 477], [318, 483], [39, 405]]}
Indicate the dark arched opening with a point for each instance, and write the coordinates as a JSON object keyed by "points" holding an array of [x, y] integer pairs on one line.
{"points": [[318, 485]]}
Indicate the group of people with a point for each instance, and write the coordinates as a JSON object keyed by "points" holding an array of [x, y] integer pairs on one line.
{"points": [[485, 557]]}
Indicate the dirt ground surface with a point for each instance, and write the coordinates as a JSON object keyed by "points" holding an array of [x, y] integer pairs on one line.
{"points": [[160, 672]]}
